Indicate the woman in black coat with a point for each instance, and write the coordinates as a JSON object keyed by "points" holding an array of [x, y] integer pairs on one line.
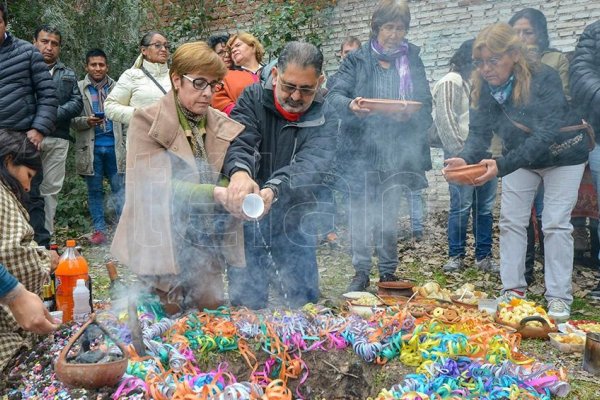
{"points": [[381, 155], [523, 102]]}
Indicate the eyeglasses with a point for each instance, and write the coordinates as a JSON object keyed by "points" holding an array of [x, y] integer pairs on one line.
{"points": [[492, 62], [222, 53], [391, 27], [159, 46], [201, 84], [290, 89]]}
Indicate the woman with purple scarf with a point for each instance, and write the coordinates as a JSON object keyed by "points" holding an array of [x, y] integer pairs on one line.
{"points": [[383, 155]]}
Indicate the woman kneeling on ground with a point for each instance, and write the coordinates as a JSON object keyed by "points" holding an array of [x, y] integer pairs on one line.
{"points": [[25, 262], [172, 232]]}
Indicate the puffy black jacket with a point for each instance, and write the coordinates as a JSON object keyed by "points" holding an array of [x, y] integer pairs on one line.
{"points": [[585, 75], [545, 113], [274, 150], [70, 102], [378, 142], [27, 94]]}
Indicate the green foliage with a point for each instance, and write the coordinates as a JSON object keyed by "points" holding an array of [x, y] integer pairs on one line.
{"points": [[112, 25], [280, 22], [188, 20], [72, 212]]}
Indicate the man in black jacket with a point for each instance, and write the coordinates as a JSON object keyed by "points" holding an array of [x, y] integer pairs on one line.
{"points": [[584, 81], [27, 103], [54, 148], [287, 146]]}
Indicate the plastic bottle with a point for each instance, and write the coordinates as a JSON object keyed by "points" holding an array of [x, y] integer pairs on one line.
{"points": [[71, 267], [81, 302]]}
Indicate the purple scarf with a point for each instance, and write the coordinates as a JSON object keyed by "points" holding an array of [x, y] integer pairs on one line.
{"points": [[399, 57]]}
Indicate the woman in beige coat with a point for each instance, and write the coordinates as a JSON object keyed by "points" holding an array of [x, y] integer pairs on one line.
{"points": [[144, 83], [172, 232]]}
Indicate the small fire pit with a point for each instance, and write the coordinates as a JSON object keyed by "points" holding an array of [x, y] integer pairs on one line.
{"points": [[92, 359]]}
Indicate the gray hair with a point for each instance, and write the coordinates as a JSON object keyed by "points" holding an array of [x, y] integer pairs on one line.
{"points": [[301, 53]]}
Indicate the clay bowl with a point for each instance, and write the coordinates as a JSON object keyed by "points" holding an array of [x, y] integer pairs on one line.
{"points": [[390, 106], [464, 175], [397, 288], [90, 376]]}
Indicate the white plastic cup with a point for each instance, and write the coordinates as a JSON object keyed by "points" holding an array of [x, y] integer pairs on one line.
{"points": [[253, 206], [57, 315]]}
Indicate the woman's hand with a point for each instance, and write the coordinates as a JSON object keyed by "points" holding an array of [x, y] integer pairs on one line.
{"points": [[358, 110], [220, 195], [54, 257], [454, 163], [492, 172], [30, 312]]}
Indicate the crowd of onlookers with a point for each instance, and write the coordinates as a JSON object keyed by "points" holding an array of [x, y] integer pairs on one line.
{"points": [[184, 138]]}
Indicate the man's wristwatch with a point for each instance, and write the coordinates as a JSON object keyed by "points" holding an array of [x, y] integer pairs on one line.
{"points": [[275, 190]]}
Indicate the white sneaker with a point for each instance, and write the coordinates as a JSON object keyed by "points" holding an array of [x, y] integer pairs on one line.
{"points": [[508, 295], [558, 310]]}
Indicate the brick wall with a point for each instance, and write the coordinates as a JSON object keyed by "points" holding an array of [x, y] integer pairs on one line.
{"points": [[439, 27]]}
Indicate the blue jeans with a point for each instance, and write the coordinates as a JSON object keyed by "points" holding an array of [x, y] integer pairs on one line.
{"points": [[594, 162], [105, 166], [278, 245], [478, 201], [415, 198]]}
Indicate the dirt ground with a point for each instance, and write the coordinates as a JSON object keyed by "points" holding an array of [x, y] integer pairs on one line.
{"points": [[341, 374]]}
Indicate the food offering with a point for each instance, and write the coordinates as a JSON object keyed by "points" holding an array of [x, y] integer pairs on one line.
{"points": [[584, 326], [467, 296], [433, 290], [529, 319], [366, 305], [568, 342]]}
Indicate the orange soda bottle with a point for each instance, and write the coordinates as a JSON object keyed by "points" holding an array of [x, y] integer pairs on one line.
{"points": [[71, 267]]}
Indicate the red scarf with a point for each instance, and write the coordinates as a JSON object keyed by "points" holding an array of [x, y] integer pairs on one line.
{"points": [[289, 116]]}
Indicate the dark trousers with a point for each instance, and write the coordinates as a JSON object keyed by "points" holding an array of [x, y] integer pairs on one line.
{"points": [[286, 260], [34, 203]]}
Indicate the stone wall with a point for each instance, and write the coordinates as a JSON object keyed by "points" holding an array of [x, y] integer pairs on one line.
{"points": [[439, 27]]}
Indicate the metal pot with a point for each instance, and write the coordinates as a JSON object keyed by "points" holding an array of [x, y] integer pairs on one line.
{"points": [[591, 353]]}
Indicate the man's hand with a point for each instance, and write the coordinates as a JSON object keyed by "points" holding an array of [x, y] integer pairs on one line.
{"points": [[267, 195], [30, 312], [94, 121], [240, 185], [358, 110], [35, 137]]}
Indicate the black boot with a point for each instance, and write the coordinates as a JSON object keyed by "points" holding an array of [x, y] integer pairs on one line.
{"points": [[360, 282], [530, 255]]}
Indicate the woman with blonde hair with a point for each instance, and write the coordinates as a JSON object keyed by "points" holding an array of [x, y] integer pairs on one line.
{"points": [[247, 54], [173, 232], [523, 102], [144, 83]]}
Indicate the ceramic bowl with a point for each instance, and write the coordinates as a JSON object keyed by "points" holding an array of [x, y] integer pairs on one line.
{"points": [[390, 106], [464, 175]]}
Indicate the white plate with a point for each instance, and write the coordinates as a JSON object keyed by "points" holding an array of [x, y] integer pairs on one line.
{"points": [[358, 295]]}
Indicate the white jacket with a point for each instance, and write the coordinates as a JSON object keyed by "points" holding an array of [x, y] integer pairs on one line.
{"points": [[135, 90]]}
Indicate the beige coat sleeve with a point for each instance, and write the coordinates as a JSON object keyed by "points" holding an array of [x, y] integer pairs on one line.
{"points": [[117, 106]]}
